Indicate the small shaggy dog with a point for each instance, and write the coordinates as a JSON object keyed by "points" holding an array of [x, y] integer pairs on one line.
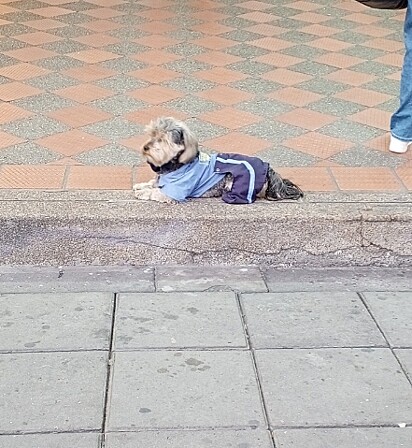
{"points": [[184, 172]]}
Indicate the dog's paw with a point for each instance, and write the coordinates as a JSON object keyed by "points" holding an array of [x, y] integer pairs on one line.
{"points": [[142, 186], [143, 194]]}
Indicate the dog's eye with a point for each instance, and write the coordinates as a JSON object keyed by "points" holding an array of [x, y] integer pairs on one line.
{"points": [[146, 148]]}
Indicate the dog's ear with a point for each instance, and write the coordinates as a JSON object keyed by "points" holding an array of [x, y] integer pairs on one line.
{"points": [[190, 143]]}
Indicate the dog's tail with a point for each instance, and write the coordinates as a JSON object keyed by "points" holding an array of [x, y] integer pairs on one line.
{"points": [[279, 188]]}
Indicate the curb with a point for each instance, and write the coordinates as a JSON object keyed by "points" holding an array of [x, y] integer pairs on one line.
{"points": [[104, 228]]}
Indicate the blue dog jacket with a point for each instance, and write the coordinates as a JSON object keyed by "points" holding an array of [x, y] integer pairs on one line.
{"points": [[196, 178]]}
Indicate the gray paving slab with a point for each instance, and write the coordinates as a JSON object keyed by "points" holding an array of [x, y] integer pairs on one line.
{"points": [[44, 392], [393, 312], [334, 387], [344, 438], [25, 279], [178, 320], [405, 357], [186, 439], [209, 278], [85, 440], [53, 321], [191, 389], [309, 319], [335, 279]]}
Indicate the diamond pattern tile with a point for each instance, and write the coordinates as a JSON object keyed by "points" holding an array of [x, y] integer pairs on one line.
{"points": [[308, 85]]}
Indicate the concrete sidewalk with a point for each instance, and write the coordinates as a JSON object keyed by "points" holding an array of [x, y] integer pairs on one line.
{"points": [[218, 357]]}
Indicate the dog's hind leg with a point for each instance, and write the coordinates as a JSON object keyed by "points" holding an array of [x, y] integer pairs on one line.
{"points": [[278, 188]]}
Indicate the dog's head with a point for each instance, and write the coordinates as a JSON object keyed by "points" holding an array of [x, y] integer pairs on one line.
{"points": [[169, 140]]}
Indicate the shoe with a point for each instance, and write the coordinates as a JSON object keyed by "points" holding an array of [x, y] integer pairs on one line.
{"points": [[398, 146]]}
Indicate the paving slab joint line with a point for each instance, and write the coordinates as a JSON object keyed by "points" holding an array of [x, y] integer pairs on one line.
{"points": [[255, 368], [391, 348], [110, 371]]}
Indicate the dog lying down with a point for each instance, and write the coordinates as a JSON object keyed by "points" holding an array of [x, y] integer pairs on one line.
{"points": [[183, 172]]}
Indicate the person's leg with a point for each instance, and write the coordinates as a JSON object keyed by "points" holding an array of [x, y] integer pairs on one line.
{"points": [[401, 121]]}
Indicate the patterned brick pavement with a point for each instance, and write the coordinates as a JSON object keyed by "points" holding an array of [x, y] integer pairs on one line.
{"points": [[306, 85]]}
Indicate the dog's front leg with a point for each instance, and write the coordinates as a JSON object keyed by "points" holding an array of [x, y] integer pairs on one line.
{"points": [[144, 185], [152, 194]]}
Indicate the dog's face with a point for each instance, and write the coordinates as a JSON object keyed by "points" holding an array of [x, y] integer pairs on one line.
{"points": [[168, 139]]}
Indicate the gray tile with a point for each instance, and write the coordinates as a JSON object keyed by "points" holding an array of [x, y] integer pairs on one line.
{"points": [[44, 103], [75, 18], [303, 51], [178, 320], [182, 20], [70, 31], [187, 66], [123, 65], [199, 439], [309, 320], [334, 387], [189, 84], [340, 23], [20, 16], [186, 49], [211, 389], [273, 130], [348, 130], [210, 278], [86, 440], [286, 21], [185, 34], [363, 52], [237, 22], [119, 104], [11, 44], [405, 357], [390, 105], [59, 63], [65, 46], [126, 48], [394, 315], [52, 81], [14, 29], [383, 85], [344, 438], [129, 7], [53, 391], [297, 36], [27, 153], [374, 68], [244, 50], [72, 279], [323, 86], [312, 68], [257, 86], [232, 10], [351, 37], [121, 83], [80, 6], [366, 157], [113, 129], [265, 107], [112, 155], [251, 68], [204, 130], [127, 33], [38, 322], [282, 156], [6, 60], [192, 105], [335, 106], [241, 35], [35, 127], [29, 4]]}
